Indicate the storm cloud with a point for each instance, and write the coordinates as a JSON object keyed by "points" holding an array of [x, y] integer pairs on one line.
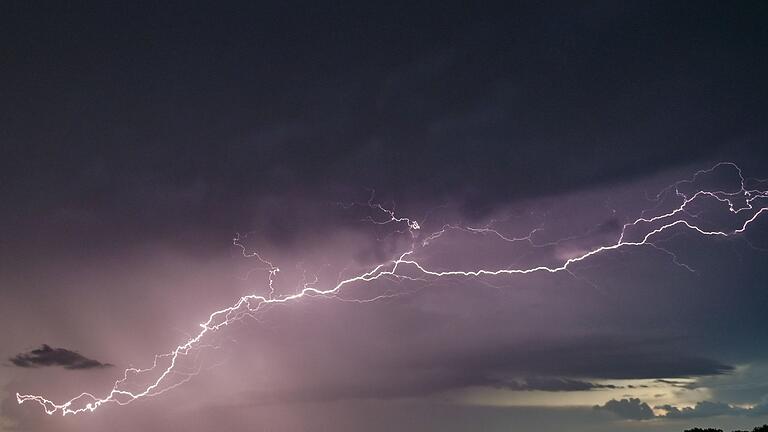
{"points": [[138, 139]]}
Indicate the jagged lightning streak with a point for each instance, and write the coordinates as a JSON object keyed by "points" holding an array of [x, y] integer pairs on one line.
{"points": [[741, 201]]}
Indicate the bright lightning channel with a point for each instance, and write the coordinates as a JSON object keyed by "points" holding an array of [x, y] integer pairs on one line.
{"points": [[743, 201]]}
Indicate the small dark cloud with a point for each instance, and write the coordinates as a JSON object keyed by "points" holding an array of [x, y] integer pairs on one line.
{"points": [[47, 356], [632, 409], [552, 384], [677, 383]]}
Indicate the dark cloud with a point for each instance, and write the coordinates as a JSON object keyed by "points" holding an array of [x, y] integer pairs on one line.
{"points": [[552, 384], [440, 108], [47, 356], [594, 357], [416, 385], [532, 369], [711, 409], [632, 409], [701, 409], [684, 384], [635, 409]]}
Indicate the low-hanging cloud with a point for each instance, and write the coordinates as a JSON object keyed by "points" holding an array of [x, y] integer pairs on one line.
{"points": [[702, 409], [635, 409]]}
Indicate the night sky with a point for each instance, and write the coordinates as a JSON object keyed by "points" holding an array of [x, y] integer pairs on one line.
{"points": [[480, 140]]}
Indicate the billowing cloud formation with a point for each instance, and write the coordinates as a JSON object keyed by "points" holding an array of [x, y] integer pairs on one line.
{"points": [[47, 356], [702, 409], [635, 409], [711, 409], [631, 408]]}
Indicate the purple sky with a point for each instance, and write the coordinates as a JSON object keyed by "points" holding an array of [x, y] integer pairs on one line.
{"points": [[142, 139]]}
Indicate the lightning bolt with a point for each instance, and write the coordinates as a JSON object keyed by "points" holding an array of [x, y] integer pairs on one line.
{"points": [[743, 203]]}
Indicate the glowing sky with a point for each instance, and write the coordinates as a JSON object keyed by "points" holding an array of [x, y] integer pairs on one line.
{"points": [[139, 139]]}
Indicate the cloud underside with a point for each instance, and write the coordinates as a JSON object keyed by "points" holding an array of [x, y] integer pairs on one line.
{"points": [[419, 388], [635, 409], [510, 369], [47, 356]]}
